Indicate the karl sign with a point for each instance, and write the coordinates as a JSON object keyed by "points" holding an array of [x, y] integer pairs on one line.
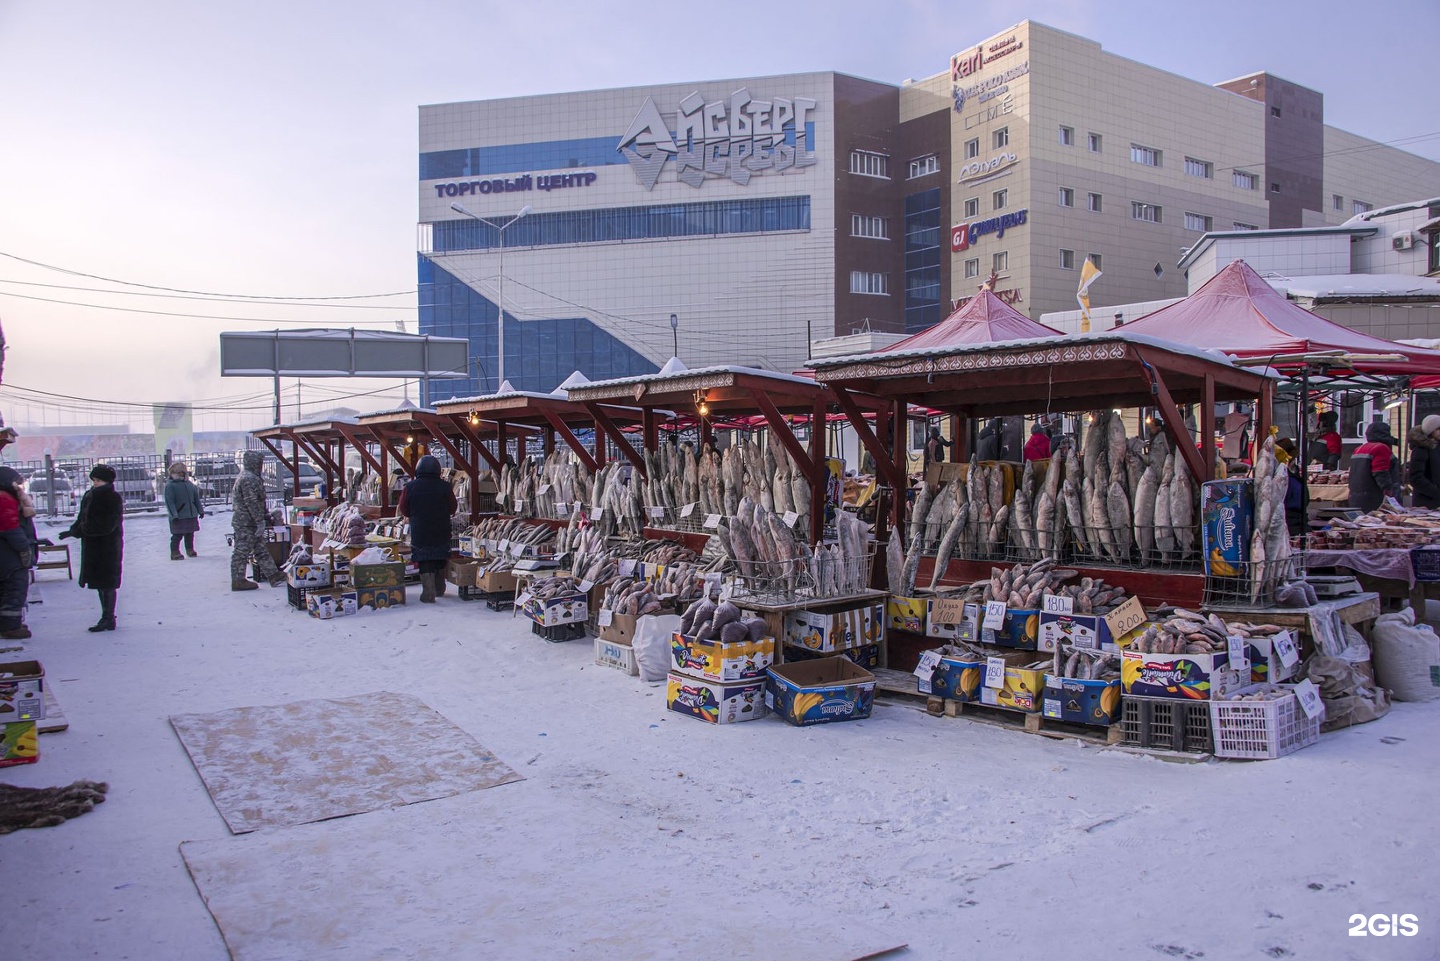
{"points": [[962, 236], [970, 62], [733, 138]]}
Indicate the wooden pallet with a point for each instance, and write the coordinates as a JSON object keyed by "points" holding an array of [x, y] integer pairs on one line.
{"points": [[54, 719], [1021, 721]]}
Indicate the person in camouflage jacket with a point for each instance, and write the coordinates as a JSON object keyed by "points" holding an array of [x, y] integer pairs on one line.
{"points": [[249, 520]]}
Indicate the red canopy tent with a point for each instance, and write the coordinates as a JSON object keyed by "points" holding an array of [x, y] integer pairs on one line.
{"points": [[983, 319], [1238, 313]]}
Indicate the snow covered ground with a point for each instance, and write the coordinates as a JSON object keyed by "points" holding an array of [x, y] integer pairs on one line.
{"points": [[961, 838]]}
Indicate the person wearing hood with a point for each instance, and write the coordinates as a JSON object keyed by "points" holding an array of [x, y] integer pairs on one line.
{"points": [[1423, 471], [182, 503], [1038, 446], [249, 521], [935, 447], [100, 527], [17, 553], [987, 446], [429, 503], [1372, 469]]}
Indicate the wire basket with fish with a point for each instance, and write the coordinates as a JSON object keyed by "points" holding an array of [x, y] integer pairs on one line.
{"points": [[1169, 548]]}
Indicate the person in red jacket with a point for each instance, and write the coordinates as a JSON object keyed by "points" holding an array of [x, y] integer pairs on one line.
{"points": [[1372, 469], [1327, 447], [1038, 446]]}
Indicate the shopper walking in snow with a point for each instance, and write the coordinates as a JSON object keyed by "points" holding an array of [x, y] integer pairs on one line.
{"points": [[182, 503], [100, 527], [429, 503], [17, 553], [249, 521]]}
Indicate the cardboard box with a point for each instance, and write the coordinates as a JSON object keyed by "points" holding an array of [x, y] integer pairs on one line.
{"points": [[554, 611], [1186, 677], [331, 602], [496, 582], [1021, 631], [905, 614], [371, 599], [1265, 666], [820, 691], [1024, 688], [1082, 702], [19, 743], [617, 628], [1227, 516], [620, 656], [22, 691], [1080, 630], [955, 678], [867, 657], [316, 574], [717, 661], [462, 573], [719, 702], [951, 619], [827, 631], [470, 546], [389, 574]]}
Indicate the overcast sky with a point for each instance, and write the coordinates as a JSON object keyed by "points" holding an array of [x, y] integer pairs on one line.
{"points": [[269, 149]]}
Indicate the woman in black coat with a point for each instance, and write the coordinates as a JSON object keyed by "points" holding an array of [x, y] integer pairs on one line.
{"points": [[429, 502], [99, 525]]}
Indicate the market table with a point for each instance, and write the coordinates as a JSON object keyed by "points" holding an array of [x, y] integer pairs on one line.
{"points": [[1357, 610], [1388, 572]]}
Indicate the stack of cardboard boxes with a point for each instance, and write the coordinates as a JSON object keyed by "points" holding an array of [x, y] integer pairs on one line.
{"points": [[22, 707], [718, 682]]}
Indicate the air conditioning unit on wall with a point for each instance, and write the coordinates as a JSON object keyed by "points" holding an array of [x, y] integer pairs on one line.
{"points": [[1404, 240]]}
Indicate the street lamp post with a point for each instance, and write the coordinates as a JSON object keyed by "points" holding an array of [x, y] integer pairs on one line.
{"points": [[499, 281], [675, 333]]}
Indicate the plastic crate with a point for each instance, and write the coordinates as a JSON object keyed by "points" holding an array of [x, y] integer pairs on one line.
{"points": [[296, 595], [1262, 729], [1166, 724], [1426, 564]]}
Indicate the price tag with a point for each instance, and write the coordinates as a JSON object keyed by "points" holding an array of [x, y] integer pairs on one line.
{"points": [[585, 586], [790, 518], [627, 567], [712, 521], [504, 547], [727, 590], [947, 610], [995, 672], [656, 511], [1285, 646], [605, 618], [502, 497], [598, 512], [1057, 604], [1310, 700], [542, 490], [928, 662], [523, 599], [563, 509], [687, 510], [994, 616], [1125, 618], [1239, 657], [519, 503]]}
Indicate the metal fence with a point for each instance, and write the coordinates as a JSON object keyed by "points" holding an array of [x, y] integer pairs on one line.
{"points": [[56, 485]]}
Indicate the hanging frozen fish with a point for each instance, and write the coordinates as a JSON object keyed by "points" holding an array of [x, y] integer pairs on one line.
{"points": [[1165, 542], [1074, 514], [1135, 464], [1118, 514], [1143, 512], [918, 515], [1182, 508], [948, 542], [895, 565], [1115, 447]]}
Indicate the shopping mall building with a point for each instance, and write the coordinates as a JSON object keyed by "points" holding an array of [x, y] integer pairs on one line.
{"points": [[737, 221]]}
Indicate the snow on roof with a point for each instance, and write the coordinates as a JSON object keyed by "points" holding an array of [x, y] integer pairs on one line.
{"points": [[673, 366], [700, 372], [412, 409], [1320, 286], [1400, 208]]}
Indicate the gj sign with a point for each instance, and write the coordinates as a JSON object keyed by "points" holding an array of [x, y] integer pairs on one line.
{"points": [[964, 235]]}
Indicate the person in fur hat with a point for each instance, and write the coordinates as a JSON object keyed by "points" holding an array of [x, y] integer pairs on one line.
{"points": [[100, 527], [429, 502], [1423, 471], [182, 503]]}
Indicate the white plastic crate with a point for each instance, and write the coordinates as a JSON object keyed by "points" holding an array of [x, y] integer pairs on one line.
{"points": [[1262, 729]]}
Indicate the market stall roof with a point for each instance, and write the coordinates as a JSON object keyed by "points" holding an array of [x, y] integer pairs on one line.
{"points": [[983, 319], [1238, 312]]}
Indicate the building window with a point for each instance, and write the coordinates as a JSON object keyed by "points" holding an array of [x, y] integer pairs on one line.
{"points": [[1067, 259], [1067, 197], [1239, 226], [869, 164], [1067, 136], [1274, 187], [1246, 181], [1198, 222], [1274, 111], [1361, 207], [1094, 259], [998, 199], [877, 228], [923, 166], [869, 282], [1093, 203], [972, 148], [925, 239], [1001, 138], [1148, 156], [972, 267], [972, 207], [1094, 142], [1000, 261], [1146, 212], [1337, 202], [1199, 168]]}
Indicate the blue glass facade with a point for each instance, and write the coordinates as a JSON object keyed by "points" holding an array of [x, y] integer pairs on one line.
{"points": [[608, 225], [539, 354], [923, 305]]}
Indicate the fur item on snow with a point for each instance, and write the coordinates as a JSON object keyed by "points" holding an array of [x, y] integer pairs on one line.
{"points": [[43, 807]]}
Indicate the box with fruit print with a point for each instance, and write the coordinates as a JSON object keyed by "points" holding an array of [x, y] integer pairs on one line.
{"points": [[718, 702], [820, 691]]}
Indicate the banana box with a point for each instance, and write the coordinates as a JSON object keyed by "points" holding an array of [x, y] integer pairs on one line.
{"points": [[370, 599], [332, 602], [1021, 631], [1024, 686], [905, 614], [955, 678], [718, 661], [316, 574], [22, 691], [1082, 702], [719, 702], [952, 619], [19, 743], [1074, 630], [867, 657], [827, 630], [388, 574], [820, 691], [554, 611], [1184, 677], [1227, 515]]}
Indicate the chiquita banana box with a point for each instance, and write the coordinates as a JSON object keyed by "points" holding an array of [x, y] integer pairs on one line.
{"points": [[719, 702], [1082, 702], [820, 691], [1186, 677], [827, 631], [1227, 514], [717, 661], [19, 743]]}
